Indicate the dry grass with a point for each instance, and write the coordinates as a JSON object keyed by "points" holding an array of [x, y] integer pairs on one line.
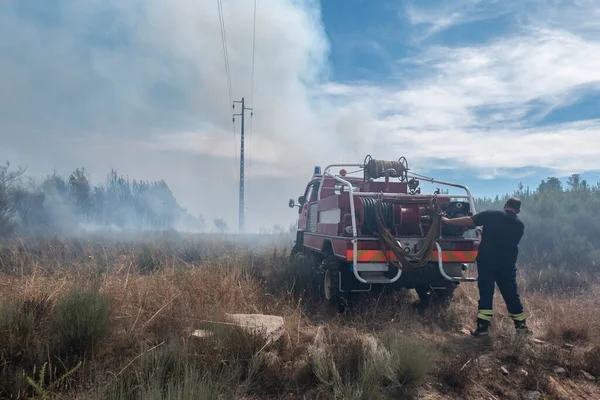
{"points": [[124, 311]]}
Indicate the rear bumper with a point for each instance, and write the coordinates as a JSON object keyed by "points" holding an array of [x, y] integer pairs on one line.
{"points": [[428, 276], [374, 267], [454, 271]]}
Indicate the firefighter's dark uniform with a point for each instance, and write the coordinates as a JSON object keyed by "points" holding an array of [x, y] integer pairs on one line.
{"points": [[496, 264]]}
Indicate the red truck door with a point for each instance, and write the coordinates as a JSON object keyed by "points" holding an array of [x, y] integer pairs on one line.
{"points": [[307, 221]]}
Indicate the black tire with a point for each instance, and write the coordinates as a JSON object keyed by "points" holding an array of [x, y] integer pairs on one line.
{"points": [[297, 251], [444, 296], [429, 296], [305, 270], [330, 270]]}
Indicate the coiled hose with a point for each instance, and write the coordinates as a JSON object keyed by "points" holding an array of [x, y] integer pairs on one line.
{"points": [[389, 243], [370, 226], [374, 169]]}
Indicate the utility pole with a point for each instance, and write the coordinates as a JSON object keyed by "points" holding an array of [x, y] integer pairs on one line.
{"points": [[241, 211]]}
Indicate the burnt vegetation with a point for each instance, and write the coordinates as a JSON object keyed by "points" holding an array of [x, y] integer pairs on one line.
{"points": [[110, 317]]}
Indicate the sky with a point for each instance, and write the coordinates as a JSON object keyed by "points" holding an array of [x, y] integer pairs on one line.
{"points": [[484, 93]]}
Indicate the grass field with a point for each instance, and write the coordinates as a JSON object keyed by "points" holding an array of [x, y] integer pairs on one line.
{"points": [[101, 318]]}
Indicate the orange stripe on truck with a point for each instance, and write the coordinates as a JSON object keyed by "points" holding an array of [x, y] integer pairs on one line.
{"points": [[455, 256], [379, 256]]}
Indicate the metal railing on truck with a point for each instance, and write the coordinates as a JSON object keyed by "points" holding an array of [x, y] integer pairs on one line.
{"points": [[352, 194]]}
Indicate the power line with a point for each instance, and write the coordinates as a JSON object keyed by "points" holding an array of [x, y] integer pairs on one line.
{"points": [[227, 74], [253, 52], [252, 81], [225, 52]]}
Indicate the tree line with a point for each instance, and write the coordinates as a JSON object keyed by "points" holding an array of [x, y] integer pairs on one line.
{"points": [[58, 205], [562, 223]]}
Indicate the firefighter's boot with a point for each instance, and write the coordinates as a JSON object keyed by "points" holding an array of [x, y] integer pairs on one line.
{"points": [[522, 328], [483, 328]]}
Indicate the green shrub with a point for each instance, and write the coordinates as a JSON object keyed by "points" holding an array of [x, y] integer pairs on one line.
{"points": [[150, 258], [170, 371], [365, 367], [81, 321], [45, 391], [410, 359], [23, 342], [191, 386]]}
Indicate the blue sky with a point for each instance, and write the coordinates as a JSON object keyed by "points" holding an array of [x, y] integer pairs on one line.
{"points": [[487, 93]]}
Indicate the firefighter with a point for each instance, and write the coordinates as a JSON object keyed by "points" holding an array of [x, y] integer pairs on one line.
{"points": [[496, 262]]}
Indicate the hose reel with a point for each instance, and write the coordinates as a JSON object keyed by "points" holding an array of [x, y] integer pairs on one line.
{"points": [[370, 217], [374, 169]]}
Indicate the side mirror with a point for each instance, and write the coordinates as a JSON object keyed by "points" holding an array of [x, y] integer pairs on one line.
{"points": [[291, 203], [301, 200]]}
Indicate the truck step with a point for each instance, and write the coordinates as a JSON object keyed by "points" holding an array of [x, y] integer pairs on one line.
{"points": [[376, 279]]}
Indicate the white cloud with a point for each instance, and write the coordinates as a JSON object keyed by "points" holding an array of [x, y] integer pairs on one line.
{"points": [[438, 18], [545, 65], [471, 110]]}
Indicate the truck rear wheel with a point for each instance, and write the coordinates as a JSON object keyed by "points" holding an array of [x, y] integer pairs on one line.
{"points": [[439, 295]]}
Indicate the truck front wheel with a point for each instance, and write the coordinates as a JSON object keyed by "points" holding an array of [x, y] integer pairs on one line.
{"points": [[330, 270], [297, 254]]}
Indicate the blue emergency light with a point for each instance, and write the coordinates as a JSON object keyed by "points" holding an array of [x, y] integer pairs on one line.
{"points": [[317, 170]]}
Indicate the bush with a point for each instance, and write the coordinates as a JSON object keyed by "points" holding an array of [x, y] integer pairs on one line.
{"points": [[82, 321], [365, 367], [23, 334], [150, 258], [165, 372], [195, 369], [410, 359]]}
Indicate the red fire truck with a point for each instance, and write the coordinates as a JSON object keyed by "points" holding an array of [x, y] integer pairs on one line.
{"points": [[372, 228]]}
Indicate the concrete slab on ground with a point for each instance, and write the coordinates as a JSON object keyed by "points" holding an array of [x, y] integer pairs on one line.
{"points": [[271, 326]]}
